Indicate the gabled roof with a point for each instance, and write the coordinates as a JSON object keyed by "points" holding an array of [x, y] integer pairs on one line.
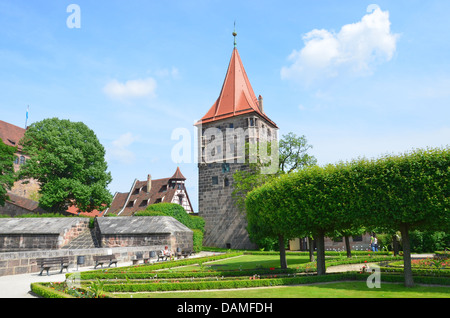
{"points": [[236, 97], [140, 197], [11, 134], [24, 203]]}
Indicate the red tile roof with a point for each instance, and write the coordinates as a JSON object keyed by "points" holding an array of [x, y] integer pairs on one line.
{"points": [[74, 210], [178, 175], [11, 134], [25, 203], [236, 97], [140, 197]]}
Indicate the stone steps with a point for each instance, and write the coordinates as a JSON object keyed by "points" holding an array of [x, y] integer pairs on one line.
{"points": [[86, 239]]}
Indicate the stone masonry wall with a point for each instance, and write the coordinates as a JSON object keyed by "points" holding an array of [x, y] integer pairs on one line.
{"points": [[134, 240], [42, 241], [13, 263], [225, 225]]}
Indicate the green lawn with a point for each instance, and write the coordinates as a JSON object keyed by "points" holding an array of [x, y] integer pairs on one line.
{"points": [[325, 290], [245, 262]]}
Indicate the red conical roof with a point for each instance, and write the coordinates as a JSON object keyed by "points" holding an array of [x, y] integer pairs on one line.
{"points": [[178, 175], [236, 97]]}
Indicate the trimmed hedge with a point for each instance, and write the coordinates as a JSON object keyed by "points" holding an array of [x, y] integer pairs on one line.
{"points": [[282, 281], [41, 289]]}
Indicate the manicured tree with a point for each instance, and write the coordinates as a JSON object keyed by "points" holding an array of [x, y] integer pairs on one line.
{"points": [[292, 156], [324, 196], [269, 214], [68, 161], [308, 201], [6, 170], [405, 192]]}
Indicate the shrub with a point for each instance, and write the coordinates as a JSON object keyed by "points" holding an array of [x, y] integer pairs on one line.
{"points": [[195, 223]]}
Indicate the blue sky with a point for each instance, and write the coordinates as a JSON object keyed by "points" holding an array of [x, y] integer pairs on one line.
{"points": [[357, 78]]}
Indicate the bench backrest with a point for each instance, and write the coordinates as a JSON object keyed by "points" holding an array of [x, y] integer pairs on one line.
{"points": [[53, 260], [103, 257]]}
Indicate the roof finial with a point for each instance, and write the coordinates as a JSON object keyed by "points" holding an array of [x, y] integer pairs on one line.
{"points": [[234, 33]]}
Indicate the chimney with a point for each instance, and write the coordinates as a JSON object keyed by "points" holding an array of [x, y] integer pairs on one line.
{"points": [[149, 183], [260, 101]]}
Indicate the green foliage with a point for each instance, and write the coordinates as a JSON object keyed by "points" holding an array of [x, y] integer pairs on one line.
{"points": [[393, 193], [429, 241], [153, 277], [293, 153], [195, 223], [197, 240], [43, 290], [68, 161], [177, 212], [7, 177]]}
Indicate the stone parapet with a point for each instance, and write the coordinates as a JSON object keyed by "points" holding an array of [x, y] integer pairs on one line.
{"points": [[13, 263]]}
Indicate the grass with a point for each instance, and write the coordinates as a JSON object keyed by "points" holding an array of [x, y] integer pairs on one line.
{"points": [[239, 272], [245, 262], [324, 290]]}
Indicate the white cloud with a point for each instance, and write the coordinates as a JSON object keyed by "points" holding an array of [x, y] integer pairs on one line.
{"points": [[119, 149], [354, 50], [130, 89]]}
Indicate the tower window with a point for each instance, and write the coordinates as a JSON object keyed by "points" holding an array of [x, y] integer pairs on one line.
{"points": [[22, 160], [225, 167], [226, 182], [215, 180]]}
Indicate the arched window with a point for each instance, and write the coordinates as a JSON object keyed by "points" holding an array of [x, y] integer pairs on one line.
{"points": [[22, 160]]}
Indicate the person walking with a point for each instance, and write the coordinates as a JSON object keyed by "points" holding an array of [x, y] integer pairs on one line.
{"points": [[374, 243]]}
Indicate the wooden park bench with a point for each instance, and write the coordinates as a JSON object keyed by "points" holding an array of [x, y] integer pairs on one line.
{"points": [[161, 256], [187, 253], [184, 254], [140, 256], [101, 259], [48, 262]]}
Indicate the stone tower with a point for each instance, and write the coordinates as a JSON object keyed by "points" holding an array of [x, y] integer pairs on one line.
{"points": [[236, 117]]}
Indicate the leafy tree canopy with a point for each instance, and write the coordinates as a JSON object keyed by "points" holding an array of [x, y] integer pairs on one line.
{"points": [[68, 161], [6, 170]]}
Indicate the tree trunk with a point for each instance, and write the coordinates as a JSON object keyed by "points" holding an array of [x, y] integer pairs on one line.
{"points": [[395, 244], [283, 261], [347, 247], [320, 239], [407, 270], [311, 249]]}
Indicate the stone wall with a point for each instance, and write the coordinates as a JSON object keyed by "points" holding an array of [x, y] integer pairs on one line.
{"points": [[143, 231], [225, 225], [39, 233], [13, 263], [23, 240], [119, 240]]}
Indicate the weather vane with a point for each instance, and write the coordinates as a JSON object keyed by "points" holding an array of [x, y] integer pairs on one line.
{"points": [[234, 33]]}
